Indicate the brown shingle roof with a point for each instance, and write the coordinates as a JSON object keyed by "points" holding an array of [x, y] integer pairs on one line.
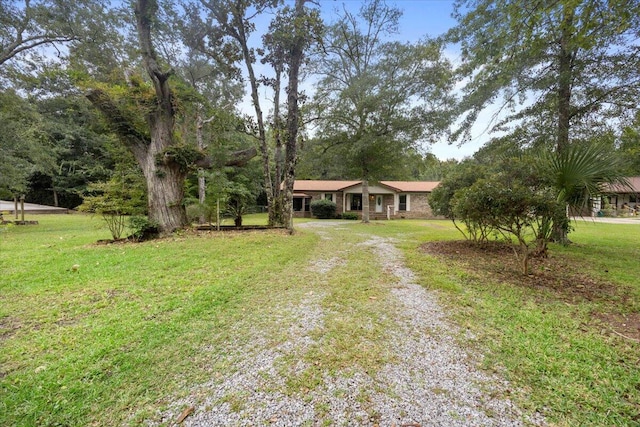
{"points": [[319, 185], [412, 186], [400, 186], [634, 186]]}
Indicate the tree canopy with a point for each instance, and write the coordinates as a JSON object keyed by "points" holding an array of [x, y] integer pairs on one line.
{"points": [[559, 70], [376, 99]]}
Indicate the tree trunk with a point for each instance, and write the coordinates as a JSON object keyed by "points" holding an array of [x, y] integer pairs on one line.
{"points": [[365, 200], [165, 192], [277, 212], [165, 181], [202, 185], [293, 113], [241, 37], [565, 81]]}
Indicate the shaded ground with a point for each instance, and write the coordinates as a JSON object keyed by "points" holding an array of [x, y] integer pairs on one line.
{"points": [[557, 278]]}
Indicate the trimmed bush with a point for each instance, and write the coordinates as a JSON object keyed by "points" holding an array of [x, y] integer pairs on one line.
{"points": [[349, 215], [323, 209]]}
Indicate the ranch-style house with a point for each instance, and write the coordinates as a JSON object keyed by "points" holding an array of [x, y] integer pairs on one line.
{"points": [[387, 199]]}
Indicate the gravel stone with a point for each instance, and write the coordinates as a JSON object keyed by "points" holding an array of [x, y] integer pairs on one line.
{"points": [[431, 382]]}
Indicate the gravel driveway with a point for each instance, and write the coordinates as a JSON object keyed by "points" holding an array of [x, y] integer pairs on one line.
{"points": [[430, 381]]}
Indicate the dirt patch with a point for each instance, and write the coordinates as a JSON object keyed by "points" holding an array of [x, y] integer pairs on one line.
{"points": [[8, 327], [236, 228], [626, 325], [557, 278]]}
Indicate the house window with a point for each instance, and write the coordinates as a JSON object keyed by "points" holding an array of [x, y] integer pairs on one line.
{"points": [[328, 196], [402, 202], [301, 204], [356, 202], [633, 198]]}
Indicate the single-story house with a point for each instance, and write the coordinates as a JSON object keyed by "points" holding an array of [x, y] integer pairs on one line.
{"points": [[387, 199]]}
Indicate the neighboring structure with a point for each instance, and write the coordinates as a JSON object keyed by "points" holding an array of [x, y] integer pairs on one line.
{"points": [[621, 198], [8, 207], [387, 199]]}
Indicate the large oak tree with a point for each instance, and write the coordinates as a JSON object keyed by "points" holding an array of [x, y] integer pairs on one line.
{"points": [[162, 159]]}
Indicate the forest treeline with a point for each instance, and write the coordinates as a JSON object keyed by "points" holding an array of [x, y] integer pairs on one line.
{"points": [[136, 104]]}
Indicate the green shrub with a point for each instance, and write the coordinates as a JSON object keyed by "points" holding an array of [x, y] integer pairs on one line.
{"points": [[349, 215], [122, 195], [142, 228], [323, 209]]}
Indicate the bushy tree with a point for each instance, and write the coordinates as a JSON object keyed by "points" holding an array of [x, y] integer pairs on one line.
{"points": [[378, 99], [519, 212], [462, 177], [512, 197], [122, 196]]}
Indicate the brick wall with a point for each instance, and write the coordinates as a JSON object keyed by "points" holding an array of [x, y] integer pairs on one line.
{"points": [[419, 207]]}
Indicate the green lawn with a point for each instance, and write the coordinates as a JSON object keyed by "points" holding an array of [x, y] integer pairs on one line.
{"points": [[108, 341]]}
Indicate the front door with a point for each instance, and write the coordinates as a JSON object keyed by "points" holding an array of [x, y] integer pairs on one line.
{"points": [[379, 203]]}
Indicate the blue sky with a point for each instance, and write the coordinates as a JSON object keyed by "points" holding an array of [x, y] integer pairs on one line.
{"points": [[420, 17]]}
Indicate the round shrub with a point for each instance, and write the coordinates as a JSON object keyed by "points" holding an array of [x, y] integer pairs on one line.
{"points": [[323, 209]]}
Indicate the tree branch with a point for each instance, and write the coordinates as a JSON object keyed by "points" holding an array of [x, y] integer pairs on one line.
{"points": [[121, 126]]}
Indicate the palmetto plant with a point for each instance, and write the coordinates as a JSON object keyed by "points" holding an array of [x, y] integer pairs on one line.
{"points": [[580, 173]]}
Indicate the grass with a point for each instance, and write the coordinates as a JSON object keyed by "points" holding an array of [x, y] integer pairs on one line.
{"points": [[104, 343], [134, 326], [566, 365]]}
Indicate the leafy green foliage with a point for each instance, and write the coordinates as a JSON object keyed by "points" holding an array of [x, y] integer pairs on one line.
{"points": [[25, 147], [581, 171], [123, 195], [517, 211], [376, 98], [323, 209], [26, 28], [629, 148], [349, 216], [510, 197], [85, 152], [560, 71], [463, 176], [182, 155], [142, 228]]}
